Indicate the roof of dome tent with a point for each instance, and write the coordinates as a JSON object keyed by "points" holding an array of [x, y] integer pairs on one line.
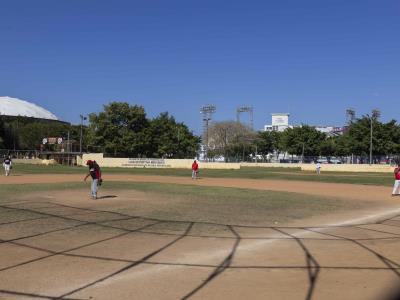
{"points": [[16, 107]]}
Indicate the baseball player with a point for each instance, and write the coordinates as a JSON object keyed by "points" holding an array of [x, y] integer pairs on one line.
{"points": [[195, 169], [95, 173], [318, 168], [7, 164], [396, 181]]}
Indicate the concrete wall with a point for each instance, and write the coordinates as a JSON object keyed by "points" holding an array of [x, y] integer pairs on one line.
{"points": [[35, 161], [187, 164], [327, 167], [270, 165], [350, 168], [151, 162]]}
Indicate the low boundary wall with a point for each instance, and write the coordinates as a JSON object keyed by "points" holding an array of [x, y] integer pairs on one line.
{"points": [[187, 163], [151, 162], [34, 161], [350, 168], [327, 167]]}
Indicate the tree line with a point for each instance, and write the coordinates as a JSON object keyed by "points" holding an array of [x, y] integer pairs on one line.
{"points": [[235, 141], [120, 129], [123, 129], [23, 133]]}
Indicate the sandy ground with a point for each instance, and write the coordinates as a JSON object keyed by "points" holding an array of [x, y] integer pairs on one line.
{"points": [[60, 245], [346, 191]]}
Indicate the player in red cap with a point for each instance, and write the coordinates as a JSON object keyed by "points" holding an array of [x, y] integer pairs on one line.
{"points": [[95, 173]]}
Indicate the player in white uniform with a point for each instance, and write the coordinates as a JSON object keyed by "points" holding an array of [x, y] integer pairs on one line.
{"points": [[318, 168], [7, 164]]}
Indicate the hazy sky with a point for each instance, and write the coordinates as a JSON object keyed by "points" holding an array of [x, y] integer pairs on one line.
{"points": [[312, 59]]}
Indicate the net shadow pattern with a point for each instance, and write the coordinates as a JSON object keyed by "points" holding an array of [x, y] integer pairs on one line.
{"points": [[154, 226]]}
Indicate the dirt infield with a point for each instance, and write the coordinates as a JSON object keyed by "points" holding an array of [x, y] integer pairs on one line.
{"points": [[60, 245], [346, 191]]}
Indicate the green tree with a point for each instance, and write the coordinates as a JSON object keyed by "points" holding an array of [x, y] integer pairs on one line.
{"points": [[303, 140], [385, 137], [268, 142], [119, 129], [123, 129], [342, 145], [171, 139], [2, 134]]}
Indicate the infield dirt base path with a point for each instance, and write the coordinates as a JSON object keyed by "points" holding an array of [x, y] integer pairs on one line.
{"points": [[60, 245], [346, 191]]}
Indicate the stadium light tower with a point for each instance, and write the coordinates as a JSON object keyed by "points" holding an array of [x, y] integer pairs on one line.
{"points": [[245, 109], [207, 111], [350, 115]]}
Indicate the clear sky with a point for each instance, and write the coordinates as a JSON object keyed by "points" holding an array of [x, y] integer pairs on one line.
{"points": [[311, 58]]}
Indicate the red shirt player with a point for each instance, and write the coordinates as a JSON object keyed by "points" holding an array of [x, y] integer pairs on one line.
{"points": [[195, 169], [396, 181]]}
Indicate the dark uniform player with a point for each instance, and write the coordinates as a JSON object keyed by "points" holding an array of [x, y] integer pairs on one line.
{"points": [[95, 173]]}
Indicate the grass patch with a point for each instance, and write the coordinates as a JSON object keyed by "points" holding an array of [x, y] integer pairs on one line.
{"points": [[199, 203], [379, 179], [235, 205], [13, 191]]}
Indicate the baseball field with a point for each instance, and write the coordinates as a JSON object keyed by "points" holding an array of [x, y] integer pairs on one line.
{"points": [[254, 233]]}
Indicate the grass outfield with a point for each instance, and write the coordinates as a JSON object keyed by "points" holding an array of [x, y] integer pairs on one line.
{"points": [[379, 179], [197, 203]]}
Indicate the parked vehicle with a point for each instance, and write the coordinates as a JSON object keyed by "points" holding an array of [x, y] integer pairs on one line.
{"points": [[322, 160], [334, 160]]}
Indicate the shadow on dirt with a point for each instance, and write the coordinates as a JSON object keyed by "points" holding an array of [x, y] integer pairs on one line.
{"points": [[106, 197]]}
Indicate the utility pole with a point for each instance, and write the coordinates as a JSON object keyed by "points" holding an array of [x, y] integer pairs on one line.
{"points": [[68, 149], [68, 146], [374, 116], [80, 139], [370, 143], [179, 141]]}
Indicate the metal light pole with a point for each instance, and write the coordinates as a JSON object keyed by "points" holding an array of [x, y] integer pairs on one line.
{"points": [[370, 142], [374, 116], [68, 145], [207, 120]]}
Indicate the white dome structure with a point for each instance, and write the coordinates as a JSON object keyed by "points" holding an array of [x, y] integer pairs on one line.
{"points": [[16, 107]]}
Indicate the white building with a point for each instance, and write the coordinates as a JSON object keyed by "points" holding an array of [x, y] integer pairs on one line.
{"points": [[16, 107], [324, 129], [280, 122], [330, 130]]}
